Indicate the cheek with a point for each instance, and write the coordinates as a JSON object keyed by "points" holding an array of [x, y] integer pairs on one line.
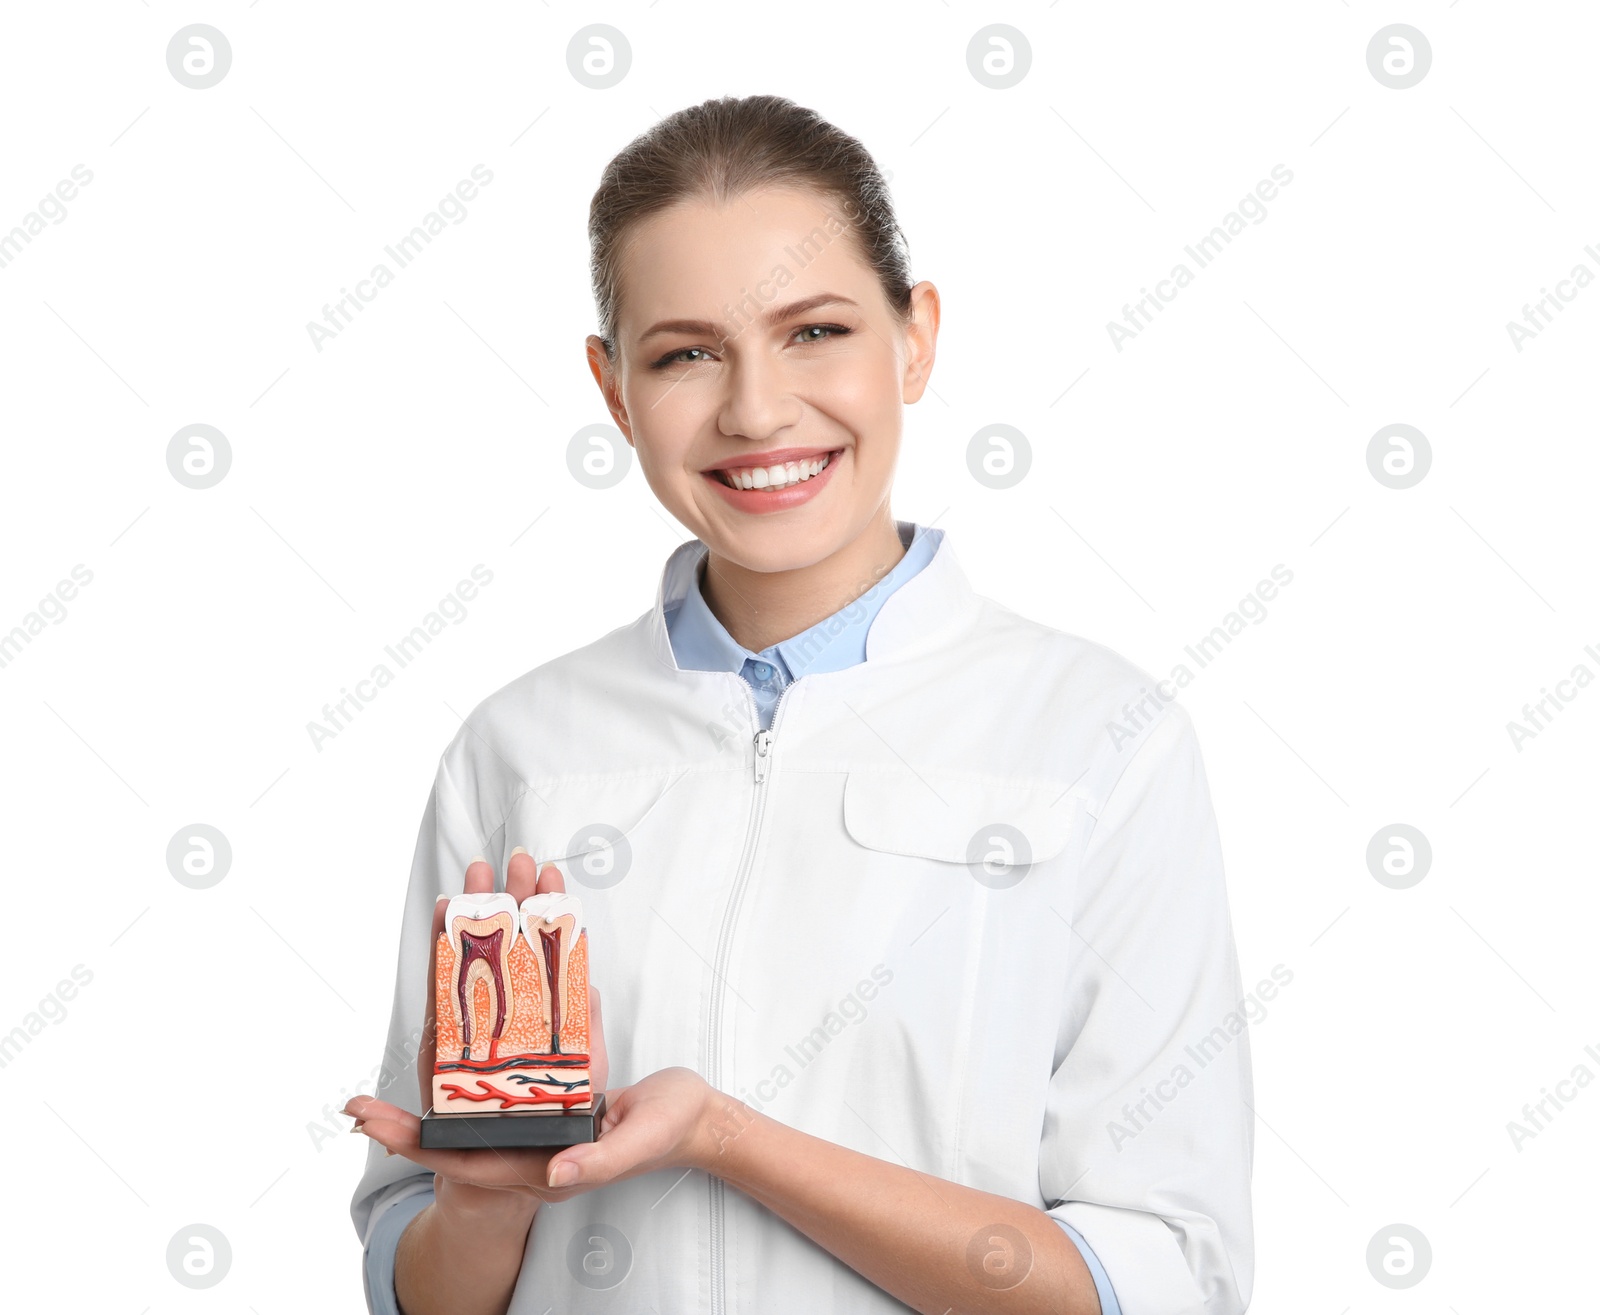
{"points": [[665, 419], [861, 390]]}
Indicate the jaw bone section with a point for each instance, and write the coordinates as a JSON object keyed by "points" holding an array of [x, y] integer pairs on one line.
{"points": [[552, 924], [482, 929]]}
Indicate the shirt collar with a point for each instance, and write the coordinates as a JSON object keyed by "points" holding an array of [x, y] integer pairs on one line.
{"points": [[924, 596], [700, 642]]}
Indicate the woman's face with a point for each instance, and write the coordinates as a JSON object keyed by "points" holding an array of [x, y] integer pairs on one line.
{"points": [[753, 334]]}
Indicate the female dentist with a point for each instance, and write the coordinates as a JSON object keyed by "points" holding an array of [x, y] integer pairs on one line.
{"points": [[921, 987]]}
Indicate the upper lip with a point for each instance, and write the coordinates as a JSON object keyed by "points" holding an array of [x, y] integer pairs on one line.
{"points": [[778, 456]]}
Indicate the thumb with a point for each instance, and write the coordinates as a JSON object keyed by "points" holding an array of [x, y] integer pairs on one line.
{"points": [[620, 1148], [575, 1165]]}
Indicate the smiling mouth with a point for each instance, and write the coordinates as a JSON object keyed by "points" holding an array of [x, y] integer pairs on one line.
{"points": [[783, 475]]}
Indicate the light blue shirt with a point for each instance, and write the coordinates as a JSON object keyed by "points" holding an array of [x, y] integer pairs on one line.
{"points": [[702, 643]]}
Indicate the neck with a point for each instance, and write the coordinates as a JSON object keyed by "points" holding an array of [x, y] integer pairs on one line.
{"points": [[763, 608]]}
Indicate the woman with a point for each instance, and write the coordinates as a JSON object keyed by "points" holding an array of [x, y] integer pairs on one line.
{"points": [[909, 912]]}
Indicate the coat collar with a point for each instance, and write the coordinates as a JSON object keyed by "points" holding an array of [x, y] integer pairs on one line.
{"points": [[933, 605]]}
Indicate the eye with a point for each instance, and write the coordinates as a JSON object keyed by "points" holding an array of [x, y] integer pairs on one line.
{"points": [[807, 333], [681, 357], [824, 331]]}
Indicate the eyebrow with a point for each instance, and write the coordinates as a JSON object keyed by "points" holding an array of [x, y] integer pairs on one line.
{"points": [[774, 316]]}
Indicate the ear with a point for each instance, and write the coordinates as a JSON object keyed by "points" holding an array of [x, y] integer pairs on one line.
{"points": [[922, 335], [605, 375]]}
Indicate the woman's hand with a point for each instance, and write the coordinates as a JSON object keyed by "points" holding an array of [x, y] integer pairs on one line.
{"points": [[664, 1121], [670, 1119], [477, 1178]]}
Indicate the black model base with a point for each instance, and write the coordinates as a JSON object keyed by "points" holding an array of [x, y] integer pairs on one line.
{"points": [[552, 1127]]}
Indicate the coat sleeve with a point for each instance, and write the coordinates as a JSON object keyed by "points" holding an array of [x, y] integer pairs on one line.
{"points": [[1148, 1131], [446, 842], [390, 1218], [1109, 1305]]}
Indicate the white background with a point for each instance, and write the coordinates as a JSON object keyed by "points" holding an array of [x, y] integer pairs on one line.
{"points": [[185, 1081]]}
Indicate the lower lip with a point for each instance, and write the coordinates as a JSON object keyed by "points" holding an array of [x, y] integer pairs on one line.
{"points": [[762, 500]]}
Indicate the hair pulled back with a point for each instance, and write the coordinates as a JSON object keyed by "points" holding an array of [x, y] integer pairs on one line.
{"points": [[722, 148]]}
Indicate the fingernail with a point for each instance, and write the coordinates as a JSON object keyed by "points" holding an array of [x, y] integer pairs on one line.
{"points": [[562, 1174], [477, 858], [359, 1126], [387, 1151], [518, 850]]}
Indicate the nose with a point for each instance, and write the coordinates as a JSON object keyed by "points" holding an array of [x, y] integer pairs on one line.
{"points": [[760, 400]]}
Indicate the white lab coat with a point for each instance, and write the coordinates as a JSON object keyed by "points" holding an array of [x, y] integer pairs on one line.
{"points": [[806, 916]]}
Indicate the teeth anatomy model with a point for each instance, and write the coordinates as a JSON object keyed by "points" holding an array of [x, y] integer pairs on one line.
{"points": [[511, 1005]]}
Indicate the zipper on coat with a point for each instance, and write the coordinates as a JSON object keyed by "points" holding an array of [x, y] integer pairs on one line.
{"points": [[730, 914]]}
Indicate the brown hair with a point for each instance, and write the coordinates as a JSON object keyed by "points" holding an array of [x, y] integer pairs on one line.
{"points": [[721, 148]]}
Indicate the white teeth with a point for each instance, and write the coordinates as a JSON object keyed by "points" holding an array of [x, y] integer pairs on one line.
{"points": [[774, 477]]}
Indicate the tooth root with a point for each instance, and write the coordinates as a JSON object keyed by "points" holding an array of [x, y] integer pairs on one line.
{"points": [[552, 924], [482, 929]]}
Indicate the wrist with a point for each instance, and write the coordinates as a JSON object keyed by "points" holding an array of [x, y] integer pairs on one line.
{"points": [[469, 1208], [724, 1120]]}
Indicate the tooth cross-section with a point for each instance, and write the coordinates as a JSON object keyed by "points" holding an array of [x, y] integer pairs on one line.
{"points": [[481, 929]]}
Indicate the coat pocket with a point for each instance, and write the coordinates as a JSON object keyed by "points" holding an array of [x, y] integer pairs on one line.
{"points": [[952, 876], [997, 828], [586, 823]]}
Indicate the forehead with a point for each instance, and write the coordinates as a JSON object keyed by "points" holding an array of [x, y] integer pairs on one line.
{"points": [[699, 256]]}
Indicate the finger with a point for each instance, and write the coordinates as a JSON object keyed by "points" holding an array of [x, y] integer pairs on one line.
{"points": [[362, 1108], [522, 875], [427, 1051], [625, 1148], [480, 877], [400, 1132], [550, 879], [599, 1064], [386, 1124]]}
